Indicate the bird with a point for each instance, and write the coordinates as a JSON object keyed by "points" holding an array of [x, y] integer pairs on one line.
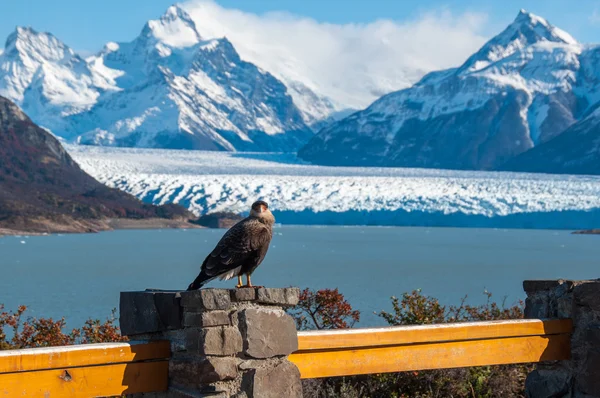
{"points": [[241, 250]]}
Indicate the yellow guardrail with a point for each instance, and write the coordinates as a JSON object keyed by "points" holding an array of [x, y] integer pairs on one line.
{"points": [[126, 368], [408, 348], [91, 370]]}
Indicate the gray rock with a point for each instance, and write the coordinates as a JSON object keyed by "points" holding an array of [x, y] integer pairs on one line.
{"points": [[201, 371], [537, 307], [534, 286], [148, 312], [206, 319], [281, 381], [588, 295], [564, 306], [243, 294], [219, 341], [206, 299], [250, 364], [267, 332], [282, 297], [547, 384], [588, 381], [181, 393]]}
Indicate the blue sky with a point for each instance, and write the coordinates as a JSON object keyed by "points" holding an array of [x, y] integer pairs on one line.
{"points": [[87, 25]]}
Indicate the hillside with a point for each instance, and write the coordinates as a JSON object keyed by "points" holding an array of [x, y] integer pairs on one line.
{"points": [[170, 87], [42, 189], [575, 151], [524, 87]]}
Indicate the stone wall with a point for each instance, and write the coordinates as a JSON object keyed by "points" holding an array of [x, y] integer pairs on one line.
{"points": [[579, 300], [224, 343]]}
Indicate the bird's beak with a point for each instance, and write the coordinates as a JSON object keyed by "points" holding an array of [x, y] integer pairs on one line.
{"points": [[263, 209]]}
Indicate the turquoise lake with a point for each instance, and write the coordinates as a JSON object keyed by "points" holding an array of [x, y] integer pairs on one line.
{"points": [[80, 276]]}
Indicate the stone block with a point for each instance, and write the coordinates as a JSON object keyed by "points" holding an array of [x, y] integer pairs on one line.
{"points": [[537, 306], [243, 294], [201, 371], [283, 380], [588, 380], [218, 341], [206, 319], [535, 286], [149, 312], [206, 299], [564, 306], [175, 392], [547, 383], [587, 295], [267, 332], [286, 297]]}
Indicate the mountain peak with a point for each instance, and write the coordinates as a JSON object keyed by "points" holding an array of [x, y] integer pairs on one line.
{"points": [[535, 28], [527, 29], [527, 17], [175, 28], [37, 45]]}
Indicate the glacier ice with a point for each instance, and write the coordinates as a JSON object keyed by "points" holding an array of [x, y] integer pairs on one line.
{"points": [[207, 181]]}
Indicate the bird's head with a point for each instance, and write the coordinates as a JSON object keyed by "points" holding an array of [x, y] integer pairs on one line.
{"points": [[260, 210]]}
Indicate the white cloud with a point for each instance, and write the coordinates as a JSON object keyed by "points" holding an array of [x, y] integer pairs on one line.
{"points": [[352, 63]]}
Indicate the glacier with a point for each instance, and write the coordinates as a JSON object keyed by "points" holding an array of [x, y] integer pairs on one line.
{"points": [[299, 193]]}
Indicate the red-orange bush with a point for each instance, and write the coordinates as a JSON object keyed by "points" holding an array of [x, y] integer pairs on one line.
{"points": [[46, 332], [324, 309]]}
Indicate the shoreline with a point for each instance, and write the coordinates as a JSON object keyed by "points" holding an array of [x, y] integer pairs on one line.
{"points": [[103, 226], [587, 232]]}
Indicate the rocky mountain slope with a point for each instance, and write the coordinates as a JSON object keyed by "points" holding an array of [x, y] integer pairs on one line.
{"points": [[523, 88], [167, 88], [575, 151], [43, 190]]}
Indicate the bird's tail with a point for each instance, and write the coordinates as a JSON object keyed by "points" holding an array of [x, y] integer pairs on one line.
{"points": [[198, 282]]}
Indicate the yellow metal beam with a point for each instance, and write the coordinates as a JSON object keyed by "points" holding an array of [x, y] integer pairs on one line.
{"points": [[366, 351], [88, 381], [81, 355], [317, 340], [90, 370]]}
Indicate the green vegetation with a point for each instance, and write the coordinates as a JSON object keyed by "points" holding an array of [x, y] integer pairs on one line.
{"points": [[328, 309]]}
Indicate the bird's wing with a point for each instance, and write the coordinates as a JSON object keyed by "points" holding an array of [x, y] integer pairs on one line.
{"points": [[242, 241]]}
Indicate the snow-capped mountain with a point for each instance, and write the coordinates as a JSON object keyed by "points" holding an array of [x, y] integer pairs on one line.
{"points": [[522, 88], [48, 79], [180, 91], [167, 88]]}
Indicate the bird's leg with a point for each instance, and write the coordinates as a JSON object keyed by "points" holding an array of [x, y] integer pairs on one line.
{"points": [[240, 283], [249, 284]]}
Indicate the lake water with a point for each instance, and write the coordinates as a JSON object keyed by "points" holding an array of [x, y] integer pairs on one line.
{"points": [[80, 276]]}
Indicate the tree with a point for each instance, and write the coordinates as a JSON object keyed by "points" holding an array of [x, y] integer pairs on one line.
{"points": [[324, 309]]}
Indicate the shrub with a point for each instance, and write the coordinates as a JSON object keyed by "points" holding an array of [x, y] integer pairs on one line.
{"points": [[414, 308], [46, 332], [323, 309]]}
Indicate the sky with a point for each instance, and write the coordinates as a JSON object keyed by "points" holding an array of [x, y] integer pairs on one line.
{"points": [[87, 25], [350, 51]]}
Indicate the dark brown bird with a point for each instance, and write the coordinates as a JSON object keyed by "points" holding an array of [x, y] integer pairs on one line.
{"points": [[240, 250]]}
